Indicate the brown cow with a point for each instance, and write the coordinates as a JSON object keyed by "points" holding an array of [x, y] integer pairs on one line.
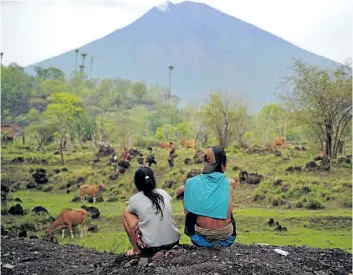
{"points": [[279, 141], [188, 143], [166, 145], [92, 190], [67, 219]]}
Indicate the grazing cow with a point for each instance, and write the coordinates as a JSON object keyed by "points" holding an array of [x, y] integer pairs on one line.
{"points": [[188, 143], [67, 219], [93, 190], [279, 141], [166, 145]]}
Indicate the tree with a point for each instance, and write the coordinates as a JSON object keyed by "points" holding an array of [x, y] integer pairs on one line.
{"points": [[322, 99], [63, 110], [171, 68], [223, 114], [83, 60], [90, 69]]}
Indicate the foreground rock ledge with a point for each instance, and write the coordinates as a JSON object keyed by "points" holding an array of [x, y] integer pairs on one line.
{"points": [[21, 256]]}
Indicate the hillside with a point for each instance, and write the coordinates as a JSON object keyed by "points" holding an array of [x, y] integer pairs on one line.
{"points": [[210, 50], [31, 257]]}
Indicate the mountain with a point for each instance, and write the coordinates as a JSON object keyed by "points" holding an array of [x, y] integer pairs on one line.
{"points": [[209, 50]]}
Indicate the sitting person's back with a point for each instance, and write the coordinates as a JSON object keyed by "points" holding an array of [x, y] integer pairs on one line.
{"points": [[148, 219], [208, 203]]}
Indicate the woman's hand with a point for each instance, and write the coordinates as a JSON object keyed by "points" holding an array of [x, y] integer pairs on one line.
{"points": [[180, 192]]}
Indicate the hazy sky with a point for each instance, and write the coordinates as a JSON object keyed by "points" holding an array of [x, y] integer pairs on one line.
{"points": [[33, 30]]}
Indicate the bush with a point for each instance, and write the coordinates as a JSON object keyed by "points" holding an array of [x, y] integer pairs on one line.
{"points": [[113, 199], [314, 203], [346, 202], [299, 204]]}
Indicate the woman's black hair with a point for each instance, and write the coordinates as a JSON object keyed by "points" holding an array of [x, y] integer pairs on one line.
{"points": [[145, 181], [220, 164]]}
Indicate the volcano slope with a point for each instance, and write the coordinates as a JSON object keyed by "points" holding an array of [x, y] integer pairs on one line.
{"points": [[22, 256]]}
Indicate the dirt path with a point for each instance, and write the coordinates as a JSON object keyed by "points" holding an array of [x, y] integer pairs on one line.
{"points": [[20, 256]]}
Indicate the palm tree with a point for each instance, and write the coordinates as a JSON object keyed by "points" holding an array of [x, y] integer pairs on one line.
{"points": [[83, 59], [171, 68], [1, 55], [76, 52], [90, 70], [82, 68]]}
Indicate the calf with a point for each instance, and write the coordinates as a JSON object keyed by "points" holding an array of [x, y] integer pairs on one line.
{"points": [[93, 190]]}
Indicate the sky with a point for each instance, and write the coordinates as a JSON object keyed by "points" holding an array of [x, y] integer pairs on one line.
{"points": [[34, 30]]}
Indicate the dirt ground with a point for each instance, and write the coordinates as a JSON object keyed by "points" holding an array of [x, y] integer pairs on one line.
{"points": [[21, 256]]}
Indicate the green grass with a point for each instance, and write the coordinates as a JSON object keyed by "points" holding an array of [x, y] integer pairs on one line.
{"points": [[251, 224], [329, 227]]}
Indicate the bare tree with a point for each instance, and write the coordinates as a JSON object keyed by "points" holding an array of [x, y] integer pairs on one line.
{"points": [[322, 99]]}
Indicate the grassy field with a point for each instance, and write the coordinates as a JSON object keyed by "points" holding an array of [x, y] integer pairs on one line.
{"points": [[315, 206]]}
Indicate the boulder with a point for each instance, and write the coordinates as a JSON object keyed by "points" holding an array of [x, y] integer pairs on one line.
{"points": [[294, 169], [64, 169], [38, 210], [93, 228], [33, 237], [40, 176], [56, 171], [199, 156], [285, 188], [22, 234], [271, 222], [188, 161], [278, 182], [236, 168], [278, 154], [18, 160], [31, 185], [193, 173], [92, 210], [249, 178], [76, 199], [311, 166], [18, 200], [16, 210]]}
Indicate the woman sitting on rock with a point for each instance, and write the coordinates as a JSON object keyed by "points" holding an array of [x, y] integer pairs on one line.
{"points": [[148, 218]]}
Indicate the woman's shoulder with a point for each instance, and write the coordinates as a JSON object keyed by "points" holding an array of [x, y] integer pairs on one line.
{"points": [[162, 191]]}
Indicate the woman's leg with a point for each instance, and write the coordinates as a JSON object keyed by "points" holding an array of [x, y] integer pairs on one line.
{"points": [[129, 221]]}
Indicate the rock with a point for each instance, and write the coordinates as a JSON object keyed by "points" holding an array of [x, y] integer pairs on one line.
{"points": [[199, 156], [8, 266], [278, 154], [31, 185], [134, 262], [124, 164], [303, 148], [56, 171], [325, 163], [143, 262], [18, 160], [64, 169], [284, 229], [192, 173], [317, 158], [152, 265], [278, 182], [311, 166], [271, 221], [22, 234], [236, 168], [249, 178], [40, 176], [294, 169], [76, 199], [33, 237], [170, 183], [297, 148], [188, 161], [158, 255], [285, 188], [40, 210], [51, 239], [92, 210], [18, 200], [93, 228], [127, 265], [279, 227], [4, 232], [16, 210]]}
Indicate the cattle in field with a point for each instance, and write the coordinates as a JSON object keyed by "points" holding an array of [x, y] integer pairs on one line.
{"points": [[166, 145], [8, 132], [279, 141], [188, 143]]}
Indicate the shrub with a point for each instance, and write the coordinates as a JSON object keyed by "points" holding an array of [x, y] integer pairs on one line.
{"points": [[314, 203], [346, 202], [299, 204], [113, 199]]}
